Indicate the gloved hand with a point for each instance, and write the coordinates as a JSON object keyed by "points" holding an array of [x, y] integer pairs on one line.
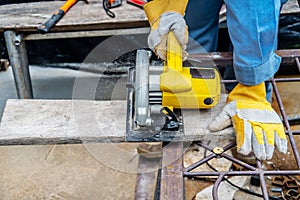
{"points": [[257, 126], [165, 16]]}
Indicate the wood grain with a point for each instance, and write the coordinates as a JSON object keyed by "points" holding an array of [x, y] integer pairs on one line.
{"points": [[27, 16]]}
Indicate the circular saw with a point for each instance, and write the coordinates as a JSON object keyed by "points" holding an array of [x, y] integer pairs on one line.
{"points": [[158, 93]]}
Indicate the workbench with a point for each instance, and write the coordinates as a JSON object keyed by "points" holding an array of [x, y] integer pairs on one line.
{"points": [[82, 20]]}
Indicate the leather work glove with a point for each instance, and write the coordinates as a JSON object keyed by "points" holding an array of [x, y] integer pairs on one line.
{"points": [[257, 126], [165, 16]]}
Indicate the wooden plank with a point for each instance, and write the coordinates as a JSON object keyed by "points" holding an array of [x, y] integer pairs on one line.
{"points": [[84, 121], [80, 34], [27, 16], [62, 121]]}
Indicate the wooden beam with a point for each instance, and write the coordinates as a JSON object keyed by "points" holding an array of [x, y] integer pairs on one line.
{"points": [[25, 17], [81, 34]]}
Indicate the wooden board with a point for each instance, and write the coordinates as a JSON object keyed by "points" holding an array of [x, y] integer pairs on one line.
{"points": [[85, 121], [27, 16]]}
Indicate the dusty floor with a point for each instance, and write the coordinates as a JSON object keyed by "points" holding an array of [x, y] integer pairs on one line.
{"points": [[73, 171]]}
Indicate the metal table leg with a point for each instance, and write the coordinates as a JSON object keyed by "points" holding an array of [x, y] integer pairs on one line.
{"points": [[19, 62]]}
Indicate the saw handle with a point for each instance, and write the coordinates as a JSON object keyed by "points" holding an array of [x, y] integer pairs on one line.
{"points": [[174, 79], [174, 53], [45, 28]]}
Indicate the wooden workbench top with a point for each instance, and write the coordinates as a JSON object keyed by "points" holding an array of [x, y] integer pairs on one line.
{"points": [[27, 16]]}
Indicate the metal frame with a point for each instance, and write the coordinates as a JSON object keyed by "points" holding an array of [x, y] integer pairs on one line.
{"points": [[17, 53], [249, 169], [18, 60]]}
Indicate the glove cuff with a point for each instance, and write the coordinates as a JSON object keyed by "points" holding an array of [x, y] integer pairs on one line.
{"points": [[245, 93], [154, 9]]}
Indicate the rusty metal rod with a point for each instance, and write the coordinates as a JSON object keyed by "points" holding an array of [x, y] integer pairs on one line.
{"points": [[262, 180], [237, 161], [209, 157], [216, 186], [286, 122], [297, 132], [243, 173], [200, 162]]}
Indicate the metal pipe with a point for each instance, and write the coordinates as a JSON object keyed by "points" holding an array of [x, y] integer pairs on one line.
{"points": [[19, 62], [298, 63]]}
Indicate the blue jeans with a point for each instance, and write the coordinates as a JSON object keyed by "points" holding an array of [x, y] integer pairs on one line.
{"points": [[253, 29]]}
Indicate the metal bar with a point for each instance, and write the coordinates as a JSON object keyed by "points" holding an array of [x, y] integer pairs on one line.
{"points": [[296, 79], [19, 62], [298, 63], [262, 181], [200, 162], [241, 163], [172, 183], [243, 173], [80, 34], [207, 158], [225, 58], [201, 144], [297, 132], [146, 179], [216, 186], [227, 147], [286, 122]]}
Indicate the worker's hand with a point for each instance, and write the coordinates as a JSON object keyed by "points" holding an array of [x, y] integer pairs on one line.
{"points": [[157, 39], [257, 126], [165, 16]]}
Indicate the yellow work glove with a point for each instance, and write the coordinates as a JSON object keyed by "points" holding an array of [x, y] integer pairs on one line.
{"points": [[165, 16], [257, 126]]}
